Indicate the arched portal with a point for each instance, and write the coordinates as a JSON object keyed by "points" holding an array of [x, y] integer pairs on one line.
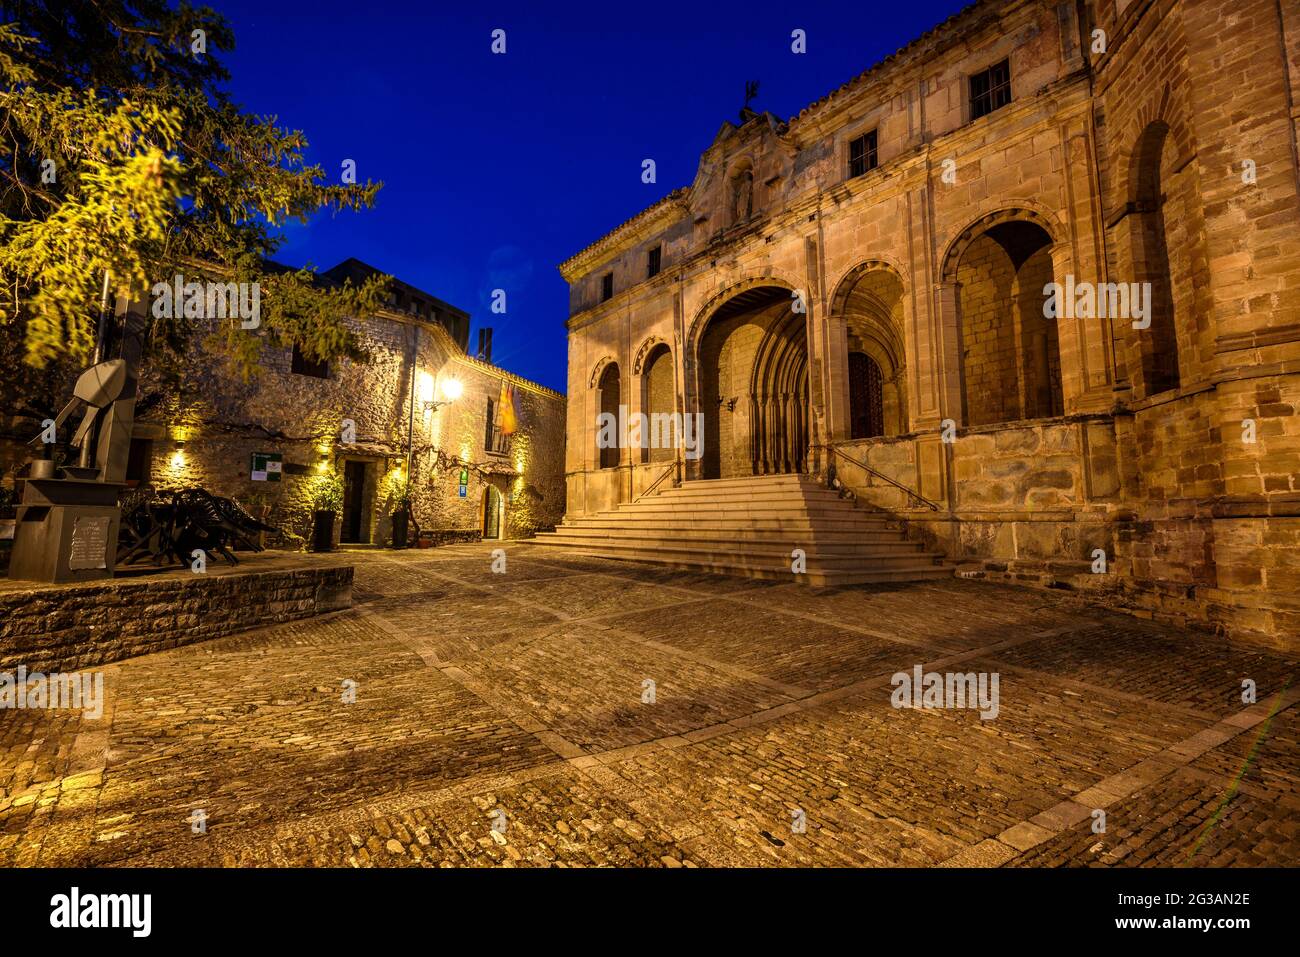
{"points": [[753, 368], [870, 302]]}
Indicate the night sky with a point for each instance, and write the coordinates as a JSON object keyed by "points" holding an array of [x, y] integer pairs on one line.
{"points": [[498, 167]]}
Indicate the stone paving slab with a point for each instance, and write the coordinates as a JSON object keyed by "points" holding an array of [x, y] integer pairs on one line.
{"points": [[523, 693]]}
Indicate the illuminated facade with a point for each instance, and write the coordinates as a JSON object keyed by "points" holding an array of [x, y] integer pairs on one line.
{"points": [[275, 443]]}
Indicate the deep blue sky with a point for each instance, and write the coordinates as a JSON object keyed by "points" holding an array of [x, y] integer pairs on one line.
{"points": [[497, 168]]}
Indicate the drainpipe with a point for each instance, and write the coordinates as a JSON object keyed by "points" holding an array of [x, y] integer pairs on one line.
{"points": [[410, 427]]}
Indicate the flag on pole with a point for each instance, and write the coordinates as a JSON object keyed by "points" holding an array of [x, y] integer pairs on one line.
{"points": [[509, 414]]}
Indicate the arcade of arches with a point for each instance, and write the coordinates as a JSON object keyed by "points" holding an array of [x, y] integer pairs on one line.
{"points": [[753, 369]]}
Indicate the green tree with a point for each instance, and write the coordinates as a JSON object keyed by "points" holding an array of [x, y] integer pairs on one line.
{"points": [[122, 155]]}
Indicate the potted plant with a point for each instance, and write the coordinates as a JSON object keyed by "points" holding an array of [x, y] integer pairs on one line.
{"points": [[327, 502]]}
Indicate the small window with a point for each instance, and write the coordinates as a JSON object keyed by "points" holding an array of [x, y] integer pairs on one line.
{"points": [[990, 90], [304, 366], [607, 287], [494, 440], [652, 263], [862, 154]]}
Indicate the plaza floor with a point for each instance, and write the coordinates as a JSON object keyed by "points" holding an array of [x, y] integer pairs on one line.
{"points": [[506, 719]]}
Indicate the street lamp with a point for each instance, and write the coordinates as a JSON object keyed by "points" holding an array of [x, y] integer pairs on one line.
{"points": [[451, 391]]}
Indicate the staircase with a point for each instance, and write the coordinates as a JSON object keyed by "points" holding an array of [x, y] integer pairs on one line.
{"points": [[750, 527]]}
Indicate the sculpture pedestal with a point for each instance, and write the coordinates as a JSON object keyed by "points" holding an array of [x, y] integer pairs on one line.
{"points": [[66, 531]]}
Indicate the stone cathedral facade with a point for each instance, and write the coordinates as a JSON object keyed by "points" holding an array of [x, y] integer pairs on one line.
{"points": [[1032, 284]]}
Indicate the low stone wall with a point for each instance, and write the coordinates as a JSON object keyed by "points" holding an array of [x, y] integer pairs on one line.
{"points": [[68, 627], [1034, 503]]}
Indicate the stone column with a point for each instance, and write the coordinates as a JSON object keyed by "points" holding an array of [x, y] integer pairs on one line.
{"points": [[837, 378], [945, 364], [1080, 339], [1087, 345]]}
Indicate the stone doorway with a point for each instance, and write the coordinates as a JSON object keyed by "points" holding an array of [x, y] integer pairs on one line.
{"points": [[353, 528], [491, 513], [866, 397]]}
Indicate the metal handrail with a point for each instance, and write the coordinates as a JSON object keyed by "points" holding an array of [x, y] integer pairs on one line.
{"points": [[670, 470], [933, 506]]}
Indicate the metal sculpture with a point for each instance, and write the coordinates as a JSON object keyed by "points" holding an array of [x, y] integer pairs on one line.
{"points": [[67, 522], [168, 527]]}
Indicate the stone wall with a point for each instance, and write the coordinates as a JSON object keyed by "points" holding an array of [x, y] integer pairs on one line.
{"points": [[68, 627], [208, 435]]}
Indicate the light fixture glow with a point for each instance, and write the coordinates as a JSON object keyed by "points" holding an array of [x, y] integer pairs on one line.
{"points": [[452, 389], [424, 387]]}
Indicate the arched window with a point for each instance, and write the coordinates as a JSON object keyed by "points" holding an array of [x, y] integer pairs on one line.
{"points": [[610, 392]]}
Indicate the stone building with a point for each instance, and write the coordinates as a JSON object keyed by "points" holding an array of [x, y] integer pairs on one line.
{"points": [[418, 391], [869, 284]]}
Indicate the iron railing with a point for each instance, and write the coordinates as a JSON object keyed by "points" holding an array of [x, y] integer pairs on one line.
{"points": [[911, 493], [499, 443], [670, 470]]}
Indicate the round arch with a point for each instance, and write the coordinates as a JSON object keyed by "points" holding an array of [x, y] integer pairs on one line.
{"points": [[854, 292], [598, 370], [844, 285], [720, 298], [656, 379], [870, 301], [974, 230], [643, 353], [760, 424], [1158, 111]]}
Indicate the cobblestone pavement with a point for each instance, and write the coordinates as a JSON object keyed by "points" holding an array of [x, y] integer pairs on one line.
{"points": [[499, 719]]}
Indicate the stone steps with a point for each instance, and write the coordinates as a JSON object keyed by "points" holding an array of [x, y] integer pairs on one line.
{"points": [[783, 531], [750, 527]]}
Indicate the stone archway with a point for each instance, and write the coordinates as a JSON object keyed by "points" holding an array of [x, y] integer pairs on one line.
{"points": [[752, 362], [869, 302], [1010, 350]]}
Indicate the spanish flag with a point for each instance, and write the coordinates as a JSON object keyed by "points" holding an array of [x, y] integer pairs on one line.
{"points": [[509, 414]]}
